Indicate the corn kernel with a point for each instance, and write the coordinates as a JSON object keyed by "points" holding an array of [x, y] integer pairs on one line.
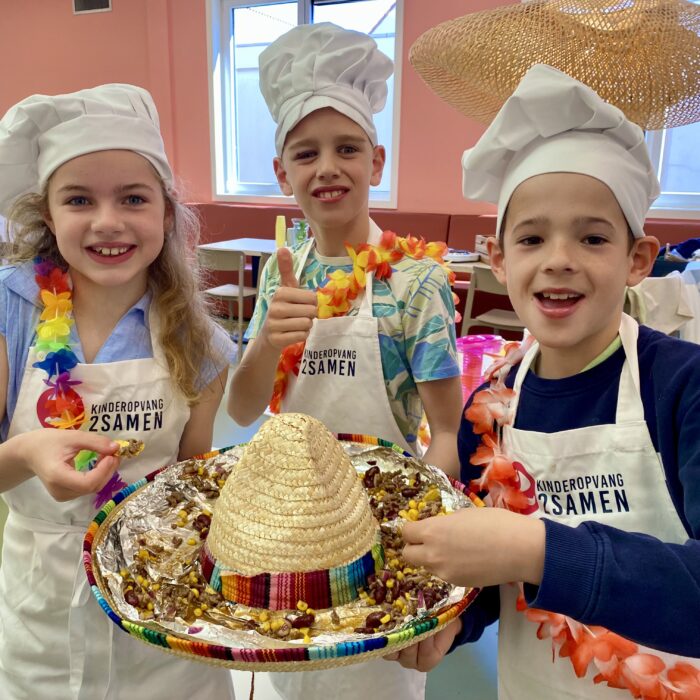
{"points": [[412, 504], [195, 592], [302, 606], [265, 627], [200, 471], [155, 587], [276, 624], [220, 483], [150, 605], [183, 515], [393, 563], [204, 606], [304, 630], [399, 575], [124, 573], [210, 590], [412, 514], [140, 579], [402, 514], [371, 601], [385, 619], [145, 584], [264, 616], [198, 612], [310, 611], [390, 583], [192, 541], [421, 505]]}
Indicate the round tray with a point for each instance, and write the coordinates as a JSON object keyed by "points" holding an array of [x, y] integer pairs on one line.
{"points": [[286, 657]]}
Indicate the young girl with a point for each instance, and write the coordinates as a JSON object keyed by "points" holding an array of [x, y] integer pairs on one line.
{"points": [[376, 345], [101, 307], [587, 444]]}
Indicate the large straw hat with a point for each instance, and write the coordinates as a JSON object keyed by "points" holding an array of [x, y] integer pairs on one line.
{"points": [[295, 524], [643, 56]]}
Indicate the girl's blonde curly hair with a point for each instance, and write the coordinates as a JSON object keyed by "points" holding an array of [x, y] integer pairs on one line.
{"points": [[186, 325]]}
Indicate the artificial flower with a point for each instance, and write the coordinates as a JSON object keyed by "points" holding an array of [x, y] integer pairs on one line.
{"points": [[55, 305], [489, 406], [54, 330]]}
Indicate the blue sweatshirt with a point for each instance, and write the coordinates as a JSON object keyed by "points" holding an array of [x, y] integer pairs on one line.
{"points": [[633, 584]]}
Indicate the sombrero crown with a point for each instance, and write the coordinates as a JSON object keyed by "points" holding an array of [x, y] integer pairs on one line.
{"points": [[293, 522], [643, 56]]}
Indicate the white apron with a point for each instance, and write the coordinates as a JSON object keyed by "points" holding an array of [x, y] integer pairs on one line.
{"points": [[348, 400], [635, 497], [55, 641]]}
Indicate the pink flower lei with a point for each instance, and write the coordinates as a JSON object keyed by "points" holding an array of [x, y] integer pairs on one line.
{"points": [[619, 661]]}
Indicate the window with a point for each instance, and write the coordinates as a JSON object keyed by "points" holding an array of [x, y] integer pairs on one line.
{"points": [[675, 154], [242, 129]]}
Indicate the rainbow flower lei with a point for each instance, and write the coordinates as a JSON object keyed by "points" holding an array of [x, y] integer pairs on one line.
{"points": [[341, 288], [619, 661], [61, 406]]}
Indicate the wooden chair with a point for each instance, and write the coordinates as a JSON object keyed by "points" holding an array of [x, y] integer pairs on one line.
{"points": [[232, 294], [483, 280]]}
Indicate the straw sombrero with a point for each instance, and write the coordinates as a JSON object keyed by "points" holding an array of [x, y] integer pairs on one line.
{"points": [[295, 525], [643, 56], [283, 554]]}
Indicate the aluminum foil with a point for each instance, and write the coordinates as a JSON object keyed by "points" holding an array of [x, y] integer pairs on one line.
{"points": [[149, 519]]}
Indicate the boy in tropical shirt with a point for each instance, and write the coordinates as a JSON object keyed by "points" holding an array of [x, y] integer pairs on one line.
{"points": [[378, 345], [594, 434], [398, 329]]}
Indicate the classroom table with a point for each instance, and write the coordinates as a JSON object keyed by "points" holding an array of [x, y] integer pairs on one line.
{"points": [[258, 249]]}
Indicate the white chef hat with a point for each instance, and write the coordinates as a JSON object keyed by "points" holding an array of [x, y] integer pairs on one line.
{"points": [[313, 66], [42, 132], [553, 123]]}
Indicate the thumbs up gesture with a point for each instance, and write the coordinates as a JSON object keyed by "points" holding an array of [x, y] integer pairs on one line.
{"points": [[292, 309]]}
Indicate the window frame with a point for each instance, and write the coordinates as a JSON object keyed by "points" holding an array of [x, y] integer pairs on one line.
{"points": [[687, 205], [219, 61]]}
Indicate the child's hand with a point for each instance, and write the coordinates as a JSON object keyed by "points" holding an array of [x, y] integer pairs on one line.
{"points": [[478, 547], [48, 453], [426, 655], [292, 310]]}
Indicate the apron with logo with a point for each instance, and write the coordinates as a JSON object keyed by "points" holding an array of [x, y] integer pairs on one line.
{"points": [[635, 499], [348, 398], [55, 641]]}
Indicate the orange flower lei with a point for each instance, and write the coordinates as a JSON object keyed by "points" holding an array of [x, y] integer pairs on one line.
{"points": [[619, 661], [341, 288]]}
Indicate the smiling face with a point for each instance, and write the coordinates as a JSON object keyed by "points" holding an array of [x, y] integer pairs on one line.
{"points": [[328, 164], [565, 259], [107, 211]]}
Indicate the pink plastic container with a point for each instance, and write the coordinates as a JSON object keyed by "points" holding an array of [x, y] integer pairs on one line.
{"points": [[471, 349]]}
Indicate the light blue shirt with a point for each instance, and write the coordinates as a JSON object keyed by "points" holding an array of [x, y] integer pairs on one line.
{"points": [[130, 339]]}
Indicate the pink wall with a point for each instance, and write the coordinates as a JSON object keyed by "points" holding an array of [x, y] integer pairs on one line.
{"points": [[161, 45], [430, 176]]}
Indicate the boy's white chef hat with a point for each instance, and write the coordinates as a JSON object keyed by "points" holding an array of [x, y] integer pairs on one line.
{"points": [[42, 132], [313, 66], [553, 123]]}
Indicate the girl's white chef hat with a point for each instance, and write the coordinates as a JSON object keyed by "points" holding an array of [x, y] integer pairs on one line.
{"points": [[42, 132]]}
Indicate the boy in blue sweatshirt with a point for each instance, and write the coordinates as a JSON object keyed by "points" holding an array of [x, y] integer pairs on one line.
{"points": [[593, 444]]}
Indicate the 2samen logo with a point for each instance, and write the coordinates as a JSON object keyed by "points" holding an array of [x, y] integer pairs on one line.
{"points": [[114, 416]]}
